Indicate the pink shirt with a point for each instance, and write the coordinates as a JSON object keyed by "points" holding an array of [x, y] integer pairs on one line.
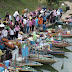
{"points": [[30, 23], [17, 28]]}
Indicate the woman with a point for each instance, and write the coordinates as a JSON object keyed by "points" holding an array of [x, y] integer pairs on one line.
{"points": [[33, 24], [17, 30], [30, 24], [11, 30]]}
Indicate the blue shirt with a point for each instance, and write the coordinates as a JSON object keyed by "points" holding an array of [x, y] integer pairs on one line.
{"points": [[60, 10], [36, 21], [44, 17], [44, 27]]}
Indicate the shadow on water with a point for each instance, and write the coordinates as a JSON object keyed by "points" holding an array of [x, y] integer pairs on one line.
{"points": [[46, 67]]}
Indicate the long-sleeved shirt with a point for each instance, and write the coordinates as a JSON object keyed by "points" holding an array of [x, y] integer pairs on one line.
{"points": [[30, 23], [33, 22], [17, 28], [4, 33]]}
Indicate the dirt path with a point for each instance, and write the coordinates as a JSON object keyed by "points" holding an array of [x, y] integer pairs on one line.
{"points": [[69, 11]]}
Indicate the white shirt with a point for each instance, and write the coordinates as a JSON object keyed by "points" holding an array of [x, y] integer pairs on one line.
{"points": [[11, 31], [24, 21], [15, 14], [17, 18], [10, 17], [4, 33], [58, 12], [19, 35]]}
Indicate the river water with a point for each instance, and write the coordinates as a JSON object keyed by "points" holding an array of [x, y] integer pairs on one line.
{"points": [[63, 64]]}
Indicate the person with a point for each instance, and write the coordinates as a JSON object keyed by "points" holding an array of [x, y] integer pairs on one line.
{"points": [[44, 18], [58, 15], [36, 21], [60, 12], [15, 15], [30, 24], [17, 30], [24, 22], [11, 23], [4, 33], [20, 35], [17, 18], [11, 30], [27, 25], [44, 28], [33, 24], [10, 17], [40, 21]]}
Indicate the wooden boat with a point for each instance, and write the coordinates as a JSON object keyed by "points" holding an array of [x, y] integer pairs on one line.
{"points": [[66, 36], [61, 45], [61, 23], [53, 52], [56, 52], [30, 63], [22, 68], [41, 58]]}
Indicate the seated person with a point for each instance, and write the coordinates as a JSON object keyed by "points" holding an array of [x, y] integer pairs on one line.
{"points": [[44, 27]]}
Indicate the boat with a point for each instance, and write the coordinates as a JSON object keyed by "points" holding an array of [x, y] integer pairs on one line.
{"points": [[41, 59], [61, 44], [56, 52], [29, 63], [22, 68], [66, 35], [62, 23]]}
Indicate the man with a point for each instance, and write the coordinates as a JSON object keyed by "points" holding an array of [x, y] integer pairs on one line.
{"points": [[36, 20], [24, 22], [60, 12], [4, 33], [15, 15], [44, 17]]}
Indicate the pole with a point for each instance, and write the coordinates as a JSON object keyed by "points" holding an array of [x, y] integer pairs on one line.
{"points": [[15, 62]]}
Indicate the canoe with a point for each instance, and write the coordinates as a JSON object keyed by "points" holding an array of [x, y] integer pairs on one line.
{"points": [[30, 63], [56, 52], [23, 68], [61, 23], [61, 45], [41, 58], [66, 36]]}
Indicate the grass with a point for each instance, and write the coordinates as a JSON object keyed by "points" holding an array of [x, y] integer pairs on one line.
{"points": [[12, 5]]}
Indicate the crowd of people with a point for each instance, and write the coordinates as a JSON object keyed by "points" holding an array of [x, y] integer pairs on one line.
{"points": [[28, 22]]}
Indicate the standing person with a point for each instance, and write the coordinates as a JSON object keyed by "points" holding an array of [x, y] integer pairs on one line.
{"points": [[33, 24], [4, 33], [10, 17], [24, 22], [40, 21], [15, 15], [17, 18], [36, 20], [30, 24], [11, 30], [17, 30], [44, 18], [27, 25], [58, 15], [60, 12]]}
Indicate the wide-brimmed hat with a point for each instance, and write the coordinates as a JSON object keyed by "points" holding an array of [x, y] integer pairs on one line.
{"points": [[2, 25], [21, 32]]}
